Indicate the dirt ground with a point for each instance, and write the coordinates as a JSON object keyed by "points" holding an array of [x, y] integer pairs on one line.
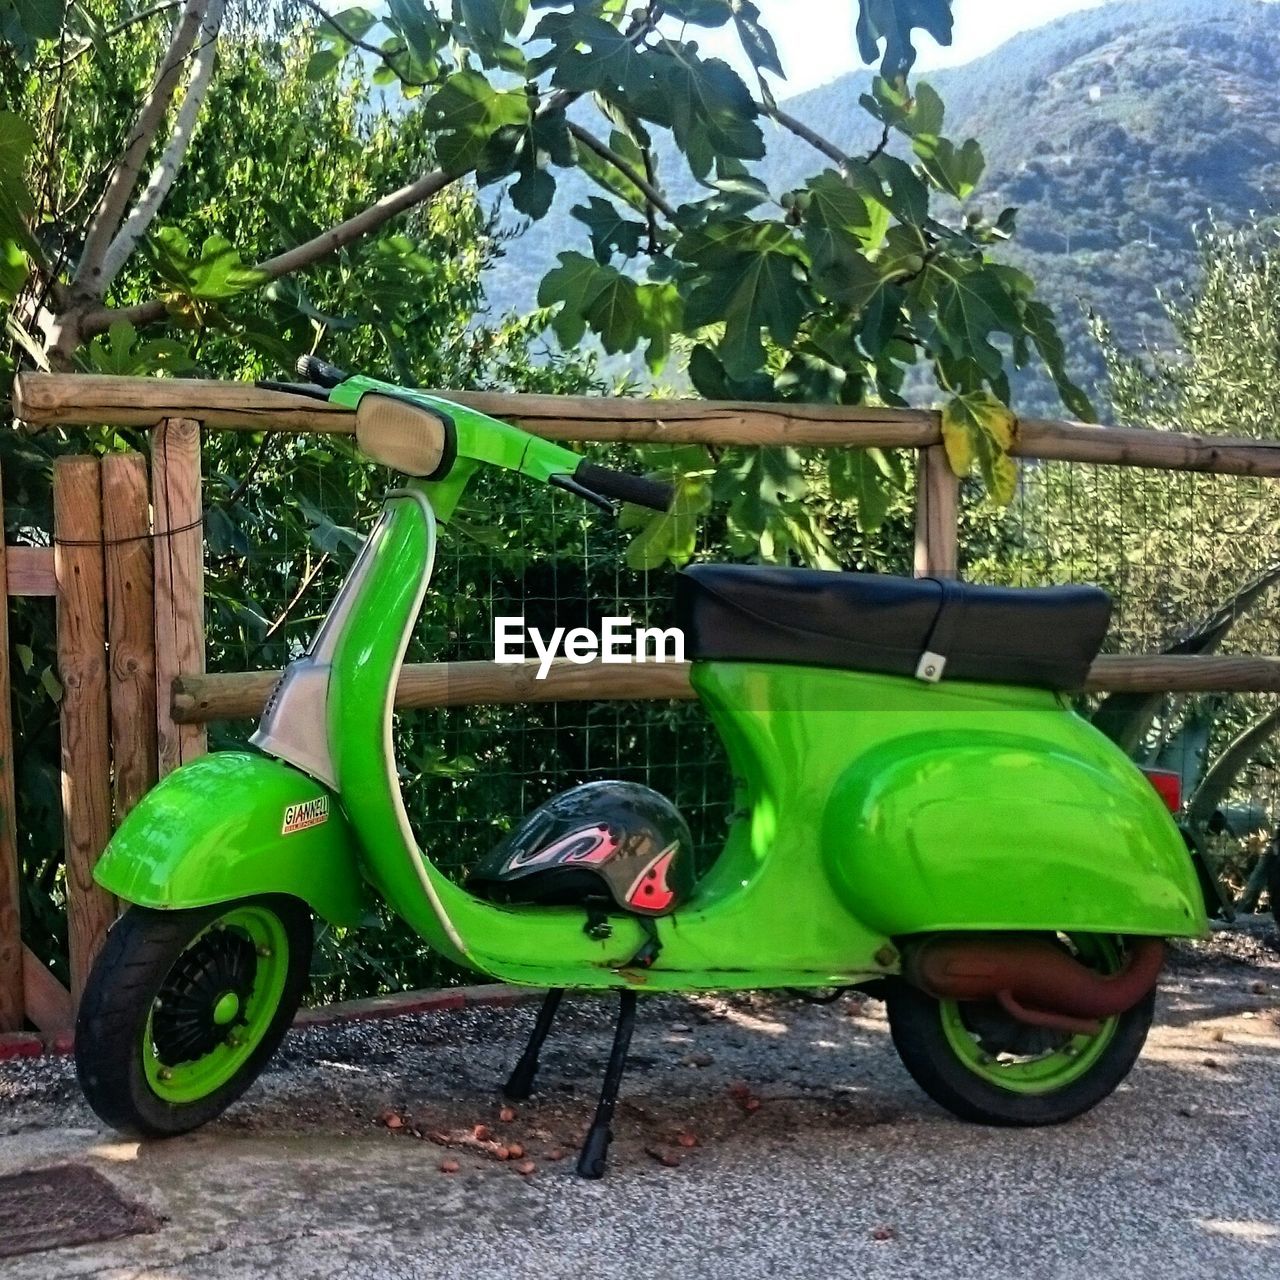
{"points": [[758, 1136]]}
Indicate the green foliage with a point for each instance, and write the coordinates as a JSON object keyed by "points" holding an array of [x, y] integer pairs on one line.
{"points": [[278, 156], [1113, 131], [834, 289], [893, 22], [23, 23], [1221, 380], [1190, 559], [977, 428]]}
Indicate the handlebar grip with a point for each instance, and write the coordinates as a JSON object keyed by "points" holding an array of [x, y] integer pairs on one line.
{"points": [[321, 372], [657, 495]]}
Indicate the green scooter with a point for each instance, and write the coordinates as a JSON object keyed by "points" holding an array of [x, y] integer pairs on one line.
{"points": [[921, 814]]}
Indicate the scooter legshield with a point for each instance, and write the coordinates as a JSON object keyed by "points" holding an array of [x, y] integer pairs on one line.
{"points": [[234, 825]]}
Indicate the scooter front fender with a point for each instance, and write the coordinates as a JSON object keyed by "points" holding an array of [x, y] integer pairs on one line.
{"points": [[231, 825]]}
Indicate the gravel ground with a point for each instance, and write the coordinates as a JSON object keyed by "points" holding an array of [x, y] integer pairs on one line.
{"points": [[758, 1136]]}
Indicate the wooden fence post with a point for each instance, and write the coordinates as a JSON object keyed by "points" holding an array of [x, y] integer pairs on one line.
{"points": [[130, 628], [11, 998], [82, 668], [937, 515], [179, 582]]}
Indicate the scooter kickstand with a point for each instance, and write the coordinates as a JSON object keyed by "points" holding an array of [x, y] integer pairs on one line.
{"points": [[520, 1082], [595, 1150]]}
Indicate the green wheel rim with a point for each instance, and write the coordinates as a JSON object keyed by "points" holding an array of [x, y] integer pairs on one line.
{"points": [[244, 1017], [1045, 1072]]}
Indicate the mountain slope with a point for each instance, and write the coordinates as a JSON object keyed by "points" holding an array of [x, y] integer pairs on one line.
{"points": [[1114, 131]]}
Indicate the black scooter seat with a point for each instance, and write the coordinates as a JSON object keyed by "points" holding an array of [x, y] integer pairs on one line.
{"points": [[926, 627]]}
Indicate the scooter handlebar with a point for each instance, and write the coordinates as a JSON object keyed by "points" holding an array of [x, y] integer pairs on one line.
{"points": [[657, 495], [321, 372], [395, 438]]}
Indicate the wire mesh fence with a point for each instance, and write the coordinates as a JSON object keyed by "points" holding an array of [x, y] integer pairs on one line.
{"points": [[1191, 562], [1176, 551]]}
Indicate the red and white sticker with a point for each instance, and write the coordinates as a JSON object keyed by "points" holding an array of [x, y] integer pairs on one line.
{"points": [[305, 814]]}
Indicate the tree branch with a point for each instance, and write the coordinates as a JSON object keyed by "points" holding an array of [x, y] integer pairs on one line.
{"points": [[303, 255], [386, 57], [881, 146], [166, 170], [650, 214], [354, 228], [802, 131], [1219, 778], [632, 175], [107, 34], [119, 189]]}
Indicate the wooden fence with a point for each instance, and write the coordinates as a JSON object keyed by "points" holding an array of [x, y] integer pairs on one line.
{"points": [[126, 569]]}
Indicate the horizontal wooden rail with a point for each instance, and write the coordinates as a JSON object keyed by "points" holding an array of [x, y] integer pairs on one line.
{"points": [[231, 695], [234, 695], [44, 399]]}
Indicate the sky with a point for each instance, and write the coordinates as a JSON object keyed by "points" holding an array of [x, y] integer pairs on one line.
{"points": [[815, 37]]}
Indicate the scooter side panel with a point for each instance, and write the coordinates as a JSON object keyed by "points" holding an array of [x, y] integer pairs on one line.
{"points": [[1000, 830], [231, 825]]}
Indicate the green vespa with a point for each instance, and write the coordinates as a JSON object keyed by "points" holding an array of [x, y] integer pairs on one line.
{"points": [[921, 814]]}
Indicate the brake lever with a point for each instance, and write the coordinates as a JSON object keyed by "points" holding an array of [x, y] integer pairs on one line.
{"points": [[570, 485]]}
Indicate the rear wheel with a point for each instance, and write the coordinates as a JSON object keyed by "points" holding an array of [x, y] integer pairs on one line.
{"points": [[983, 1065], [183, 1009]]}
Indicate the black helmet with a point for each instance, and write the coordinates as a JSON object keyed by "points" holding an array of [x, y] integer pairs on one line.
{"points": [[603, 841]]}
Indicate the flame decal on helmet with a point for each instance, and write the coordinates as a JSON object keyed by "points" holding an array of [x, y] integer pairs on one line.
{"points": [[650, 890], [591, 846]]}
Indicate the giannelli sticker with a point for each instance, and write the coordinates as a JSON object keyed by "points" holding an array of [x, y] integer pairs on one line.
{"points": [[308, 813]]}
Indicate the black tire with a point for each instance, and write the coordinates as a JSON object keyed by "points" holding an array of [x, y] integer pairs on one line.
{"points": [[916, 1024], [141, 950]]}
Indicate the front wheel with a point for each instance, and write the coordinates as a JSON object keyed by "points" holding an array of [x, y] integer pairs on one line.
{"points": [[183, 1009], [981, 1064]]}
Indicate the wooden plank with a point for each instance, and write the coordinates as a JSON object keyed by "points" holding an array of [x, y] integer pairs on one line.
{"points": [[179, 583], [230, 696], [937, 516], [46, 399], [49, 1004], [130, 628], [83, 399], [82, 668], [30, 572], [237, 695], [1184, 673], [1145, 447], [11, 996]]}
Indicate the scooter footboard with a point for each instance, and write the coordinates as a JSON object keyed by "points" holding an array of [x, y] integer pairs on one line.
{"points": [[234, 825]]}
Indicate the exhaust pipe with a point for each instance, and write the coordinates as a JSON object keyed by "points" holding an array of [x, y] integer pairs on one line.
{"points": [[1032, 978]]}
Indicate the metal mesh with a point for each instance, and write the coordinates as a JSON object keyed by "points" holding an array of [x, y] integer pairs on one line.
{"points": [[64, 1205], [1175, 550]]}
